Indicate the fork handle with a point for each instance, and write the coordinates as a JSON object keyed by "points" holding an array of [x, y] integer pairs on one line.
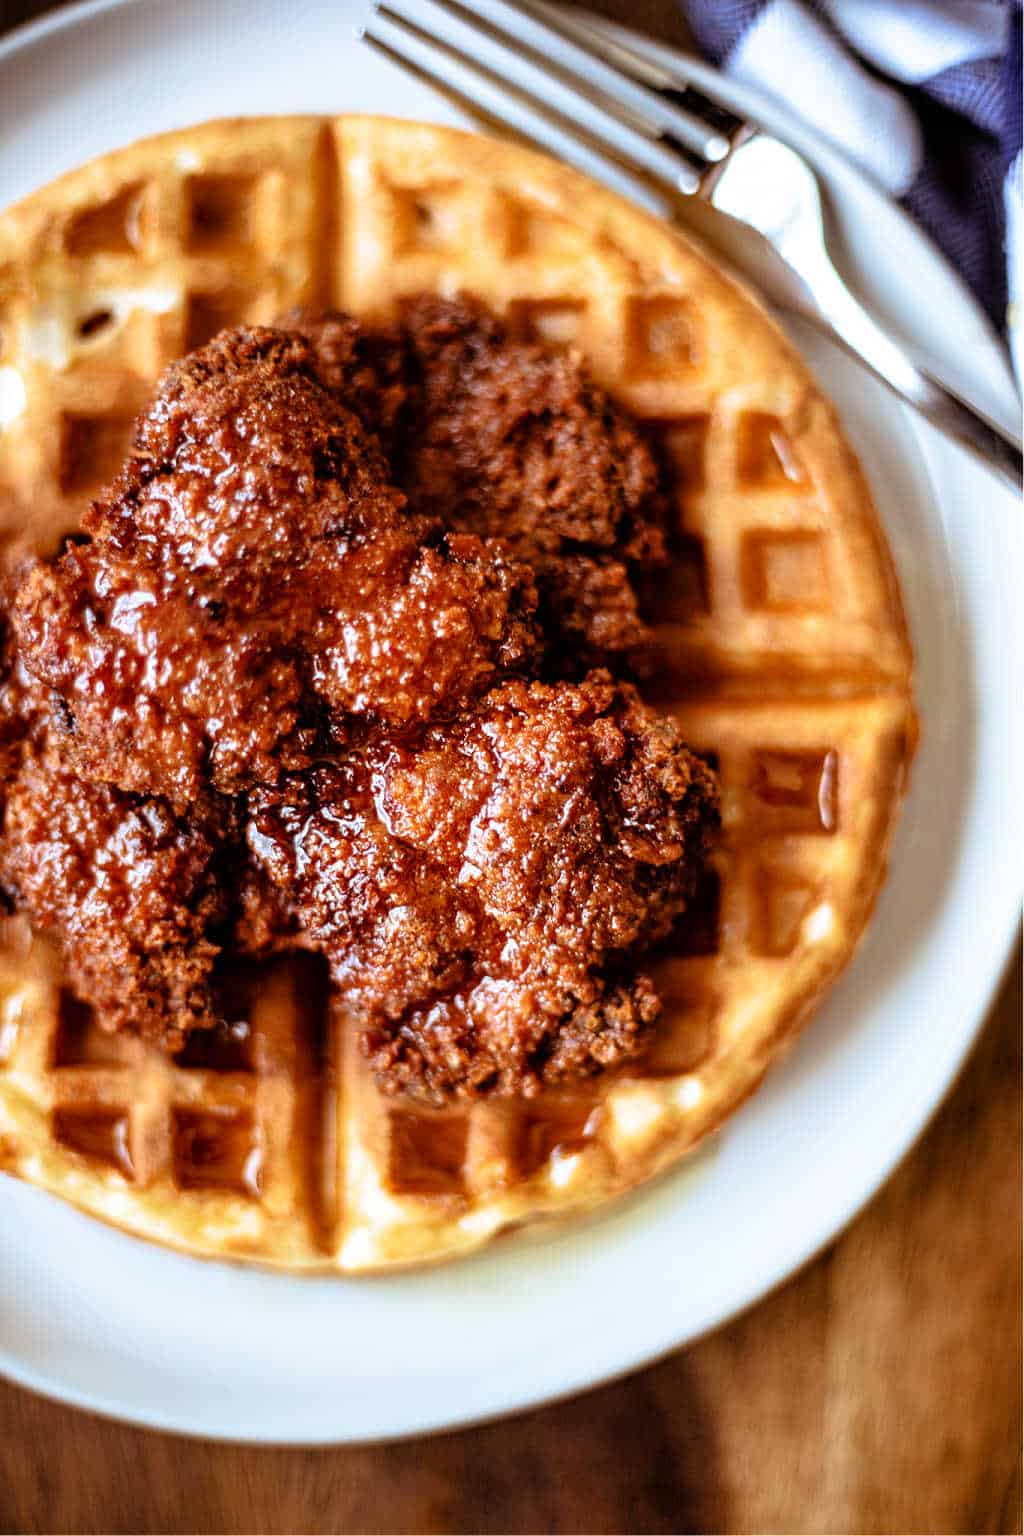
{"points": [[842, 317], [983, 437]]}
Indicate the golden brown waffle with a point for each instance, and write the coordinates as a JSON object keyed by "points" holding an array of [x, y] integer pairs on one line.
{"points": [[784, 656]]}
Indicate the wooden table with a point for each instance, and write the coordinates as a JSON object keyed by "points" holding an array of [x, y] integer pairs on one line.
{"points": [[880, 1390]]}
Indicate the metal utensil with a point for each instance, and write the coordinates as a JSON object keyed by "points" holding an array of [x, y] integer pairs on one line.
{"points": [[650, 120]]}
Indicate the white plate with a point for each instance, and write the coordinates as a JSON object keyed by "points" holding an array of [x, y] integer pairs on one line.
{"points": [[98, 1319]]}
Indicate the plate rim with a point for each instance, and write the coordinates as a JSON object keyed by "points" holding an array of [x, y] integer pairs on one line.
{"points": [[28, 35]]}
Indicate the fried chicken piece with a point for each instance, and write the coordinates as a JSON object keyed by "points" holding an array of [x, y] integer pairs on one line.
{"points": [[11, 725], [251, 577], [131, 891], [19, 705], [255, 611], [154, 690], [482, 892], [262, 922], [368, 370], [499, 438]]}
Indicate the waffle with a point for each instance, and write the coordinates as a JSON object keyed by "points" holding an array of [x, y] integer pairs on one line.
{"points": [[783, 655]]}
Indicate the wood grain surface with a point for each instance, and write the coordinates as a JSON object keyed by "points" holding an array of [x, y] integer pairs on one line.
{"points": [[879, 1390]]}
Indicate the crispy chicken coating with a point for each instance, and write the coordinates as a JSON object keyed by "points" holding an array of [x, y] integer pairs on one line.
{"points": [[18, 700], [367, 369], [149, 692], [481, 892], [252, 579], [281, 692], [500, 438], [12, 727], [132, 891]]}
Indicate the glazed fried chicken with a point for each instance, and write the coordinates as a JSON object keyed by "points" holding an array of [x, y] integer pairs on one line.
{"points": [[503, 439], [18, 704], [480, 891], [132, 891], [252, 580], [12, 728], [368, 370], [107, 638], [282, 692]]}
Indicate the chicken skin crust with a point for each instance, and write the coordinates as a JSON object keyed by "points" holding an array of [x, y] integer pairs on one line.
{"points": [[133, 891], [500, 438], [334, 664], [252, 580], [12, 720], [481, 892]]}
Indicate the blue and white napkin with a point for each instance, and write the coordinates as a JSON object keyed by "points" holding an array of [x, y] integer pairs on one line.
{"points": [[924, 94]]}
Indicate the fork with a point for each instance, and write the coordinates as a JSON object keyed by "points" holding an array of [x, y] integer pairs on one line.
{"points": [[604, 97]]}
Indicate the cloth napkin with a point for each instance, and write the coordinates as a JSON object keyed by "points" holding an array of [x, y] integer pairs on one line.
{"points": [[923, 94]]}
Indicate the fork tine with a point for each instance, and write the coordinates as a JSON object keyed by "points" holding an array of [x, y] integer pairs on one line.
{"points": [[635, 65], [627, 147], [465, 103], [572, 59], [504, 123], [395, 49], [673, 82], [480, 23]]}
